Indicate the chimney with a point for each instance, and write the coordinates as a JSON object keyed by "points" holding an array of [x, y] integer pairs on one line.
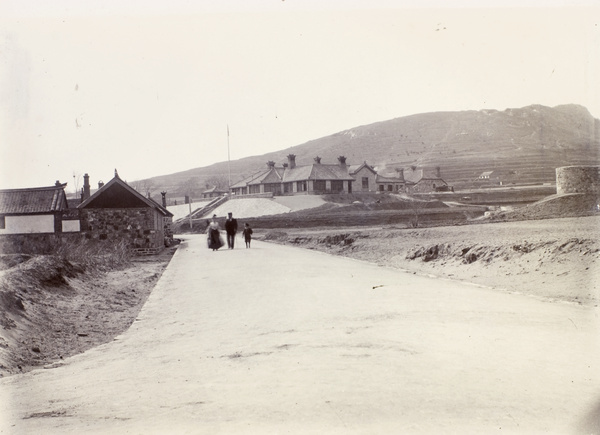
{"points": [[318, 159], [100, 184], [292, 160], [57, 184], [400, 172], [438, 172], [86, 186], [164, 199], [271, 164], [342, 160], [285, 165]]}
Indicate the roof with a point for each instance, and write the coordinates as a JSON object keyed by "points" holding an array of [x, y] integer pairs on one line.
{"points": [[297, 173], [486, 174], [330, 172], [416, 175], [118, 194], [353, 169], [248, 180], [314, 171], [214, 189], [35, 200], [384, 179]]}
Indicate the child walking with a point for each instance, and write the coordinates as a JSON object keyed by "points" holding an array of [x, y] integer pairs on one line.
{"points": [[247, 234]]}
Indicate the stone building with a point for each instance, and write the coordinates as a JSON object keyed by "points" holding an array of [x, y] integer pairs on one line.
{"points": [[292, 179], [365, 177], [116, 211], [424, 180], [578, 179]]}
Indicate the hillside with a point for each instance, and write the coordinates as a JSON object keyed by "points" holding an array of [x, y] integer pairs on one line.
{"points": [[520, 145]]}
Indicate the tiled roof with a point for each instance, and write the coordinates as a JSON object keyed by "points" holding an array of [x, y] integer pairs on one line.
{"points": [[273, 176], [34, 200], [353, 169], [298, 173], [384, 179], [314, 171], [250, 179], [214, 190], [330, 172]]}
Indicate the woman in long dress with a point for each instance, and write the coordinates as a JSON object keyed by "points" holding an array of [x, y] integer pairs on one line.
{"points": [[214, 235]]}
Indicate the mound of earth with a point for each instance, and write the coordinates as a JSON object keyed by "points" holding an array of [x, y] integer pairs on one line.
{"points": [[51, 308], [554, 259], [567, 205]]}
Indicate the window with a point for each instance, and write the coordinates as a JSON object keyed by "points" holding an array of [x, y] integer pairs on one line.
{"points": [[337, 185], [389, 187], [381, 187], [301, 186], [365, 182], [273, 187], [2, 223], [320, 185]]}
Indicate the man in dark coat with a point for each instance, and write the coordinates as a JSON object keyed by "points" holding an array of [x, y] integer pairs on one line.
{"points": [[231, 229]]}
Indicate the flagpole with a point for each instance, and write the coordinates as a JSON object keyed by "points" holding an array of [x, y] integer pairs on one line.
{"points": [[228, 162]]}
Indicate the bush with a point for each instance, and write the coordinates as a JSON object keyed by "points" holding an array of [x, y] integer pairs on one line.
{"points": [[92, 254]]}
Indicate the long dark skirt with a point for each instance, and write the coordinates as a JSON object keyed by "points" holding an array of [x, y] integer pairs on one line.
{"points": [[214, 239]]}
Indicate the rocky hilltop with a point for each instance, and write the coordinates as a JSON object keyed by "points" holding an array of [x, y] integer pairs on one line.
{"points": [[520, 146]]}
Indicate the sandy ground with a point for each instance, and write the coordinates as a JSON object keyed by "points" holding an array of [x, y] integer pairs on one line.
{"points": [[277, 339], [553, 259], [300, 202], [249, 207], [51, 310]]}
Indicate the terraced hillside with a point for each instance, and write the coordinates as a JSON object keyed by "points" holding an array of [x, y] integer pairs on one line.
{"points": [[521, 146]]}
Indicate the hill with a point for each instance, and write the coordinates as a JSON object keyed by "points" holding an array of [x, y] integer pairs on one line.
{"points": [[521, 146]]}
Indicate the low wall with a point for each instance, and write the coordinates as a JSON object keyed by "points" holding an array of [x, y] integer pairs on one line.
{"points": [[578, 179]]}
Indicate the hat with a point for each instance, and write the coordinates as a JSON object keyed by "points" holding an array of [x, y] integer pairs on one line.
{"points": [[229, 213]]}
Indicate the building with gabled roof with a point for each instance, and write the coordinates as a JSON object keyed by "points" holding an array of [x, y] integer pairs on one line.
{"points": [[116, 211], [289, 179], [213, 192], [365, 177], [424, 180], [33, 210], [390, 183]]}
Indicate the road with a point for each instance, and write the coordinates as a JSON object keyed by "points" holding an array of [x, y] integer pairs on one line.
{"points": [[276, 339]]}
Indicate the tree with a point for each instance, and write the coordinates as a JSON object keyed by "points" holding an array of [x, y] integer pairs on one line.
{"points": [[190, 187], [145, 187]]}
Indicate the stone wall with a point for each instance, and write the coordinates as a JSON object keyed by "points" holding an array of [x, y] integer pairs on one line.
{"points": [[142, 227], [578, 179]]}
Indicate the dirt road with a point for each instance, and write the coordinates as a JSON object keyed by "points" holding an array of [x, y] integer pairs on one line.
{"points": [[277, 339]]}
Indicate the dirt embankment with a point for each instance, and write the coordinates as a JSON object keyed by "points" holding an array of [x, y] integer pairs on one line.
{"points": [[51, 308], [554, 259]]}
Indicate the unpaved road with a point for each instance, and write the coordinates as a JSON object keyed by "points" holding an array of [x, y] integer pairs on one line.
{"points": [[277, 339]]}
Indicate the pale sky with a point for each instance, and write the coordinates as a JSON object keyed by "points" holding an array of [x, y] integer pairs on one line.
{"points": [[149, 87]]}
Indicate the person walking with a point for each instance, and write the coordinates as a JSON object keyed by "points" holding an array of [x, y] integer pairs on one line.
{"points": [[247, 234], [214, 235], [231, 229]]}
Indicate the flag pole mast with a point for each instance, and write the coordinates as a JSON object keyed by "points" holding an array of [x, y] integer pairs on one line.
{"points": [[228, 162]]}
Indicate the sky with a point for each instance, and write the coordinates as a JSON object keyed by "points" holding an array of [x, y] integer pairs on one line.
{"points": [[153, 87]]}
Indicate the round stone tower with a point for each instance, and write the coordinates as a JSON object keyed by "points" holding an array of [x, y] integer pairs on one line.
{"points": [[578, 179]]}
